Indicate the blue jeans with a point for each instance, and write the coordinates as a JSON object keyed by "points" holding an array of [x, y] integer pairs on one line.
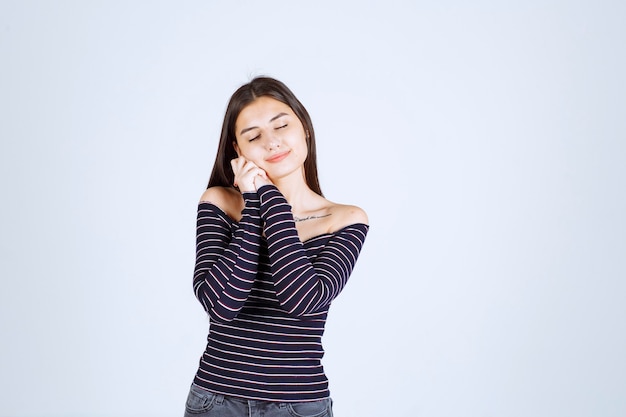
{"points": [[202, 403]]}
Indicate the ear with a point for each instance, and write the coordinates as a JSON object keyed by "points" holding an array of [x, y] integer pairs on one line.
{"points": [[236, 148]]}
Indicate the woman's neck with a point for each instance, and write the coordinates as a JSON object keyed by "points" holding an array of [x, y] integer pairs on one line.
{"points": [[296, 192]]}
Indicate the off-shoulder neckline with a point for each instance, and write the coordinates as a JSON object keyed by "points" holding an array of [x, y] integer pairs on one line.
{"points": [[232, 221]]}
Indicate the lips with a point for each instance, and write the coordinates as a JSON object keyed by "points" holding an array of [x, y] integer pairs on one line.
{"points": [[278, 157]]}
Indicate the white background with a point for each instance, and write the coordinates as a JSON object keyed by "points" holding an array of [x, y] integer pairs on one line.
{"points": [[486, 141]]}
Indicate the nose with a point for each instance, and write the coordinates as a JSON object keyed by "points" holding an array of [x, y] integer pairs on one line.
{"points": [[273, 142]]}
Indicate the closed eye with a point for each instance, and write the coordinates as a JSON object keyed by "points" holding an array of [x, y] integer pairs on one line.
{"points": [[254, 138], [281, 127]]}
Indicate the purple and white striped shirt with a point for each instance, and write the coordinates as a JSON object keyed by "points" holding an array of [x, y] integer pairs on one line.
{"points": [[267, 298]]}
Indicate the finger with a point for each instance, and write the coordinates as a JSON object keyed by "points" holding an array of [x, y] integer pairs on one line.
{"points": [[249, 169], [260, 181], [237, 163], [239, 166], [234, 164]]}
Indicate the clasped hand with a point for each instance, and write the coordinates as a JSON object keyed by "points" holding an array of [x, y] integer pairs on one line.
{"points": [[248, 176]]}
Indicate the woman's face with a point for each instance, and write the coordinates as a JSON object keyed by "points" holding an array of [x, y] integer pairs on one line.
{"points": [[270, 135]]}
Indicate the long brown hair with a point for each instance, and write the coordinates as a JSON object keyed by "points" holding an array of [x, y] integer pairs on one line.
{"points": [[222, 174]]}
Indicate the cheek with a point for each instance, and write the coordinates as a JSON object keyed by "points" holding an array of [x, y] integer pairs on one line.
{"points": [[303, 147], [250, 153]]}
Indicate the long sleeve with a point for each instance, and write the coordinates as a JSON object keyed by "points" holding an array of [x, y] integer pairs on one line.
{"points": [[302, 285], [226, 258]]}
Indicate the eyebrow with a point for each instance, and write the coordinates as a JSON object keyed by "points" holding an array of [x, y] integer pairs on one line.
{"points": [[278, 116]]}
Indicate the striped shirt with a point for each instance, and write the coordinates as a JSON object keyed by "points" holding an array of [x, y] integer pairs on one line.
{"points": [[267, 295]]}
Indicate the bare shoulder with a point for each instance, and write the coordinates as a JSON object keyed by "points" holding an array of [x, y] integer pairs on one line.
{"points": [[226, 199], [345, 215]]}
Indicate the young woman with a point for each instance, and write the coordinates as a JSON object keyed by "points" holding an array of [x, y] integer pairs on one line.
{"points": [[272, 254]]}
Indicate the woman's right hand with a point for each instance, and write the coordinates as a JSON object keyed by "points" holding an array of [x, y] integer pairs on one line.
{"points": [[246, 174]]}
